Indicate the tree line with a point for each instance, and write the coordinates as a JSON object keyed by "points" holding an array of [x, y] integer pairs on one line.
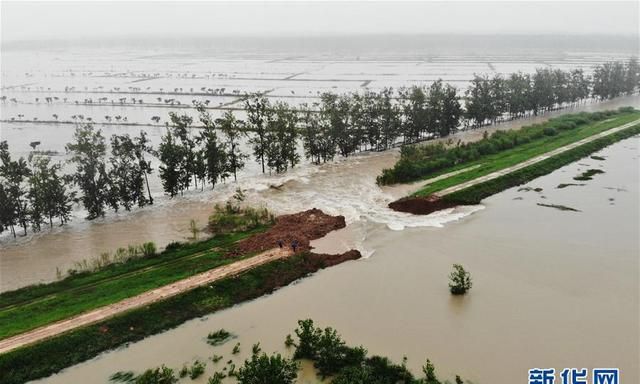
{"points": [[34, 192]]}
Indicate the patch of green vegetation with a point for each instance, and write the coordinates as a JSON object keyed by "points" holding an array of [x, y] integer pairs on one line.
{"points": [[346, 365], [232, 217], [560, 207], [52, 355], [219, 337], [123, 377], [475, 194], [197, 369], [160, 375], [588, 174], [35, 306]]}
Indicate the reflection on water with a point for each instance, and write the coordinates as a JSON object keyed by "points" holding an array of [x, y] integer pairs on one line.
{"points": [[551, 289]]}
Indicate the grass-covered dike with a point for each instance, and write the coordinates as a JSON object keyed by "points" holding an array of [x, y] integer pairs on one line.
{"points": [[52, 355], [475, 194]]}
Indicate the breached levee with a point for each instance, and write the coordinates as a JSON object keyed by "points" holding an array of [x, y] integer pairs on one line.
{"points": [[421, 205], [264, 273], [474, 191]]}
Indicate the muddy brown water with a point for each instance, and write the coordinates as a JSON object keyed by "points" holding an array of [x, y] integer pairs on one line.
{"points": [[551, 288]]}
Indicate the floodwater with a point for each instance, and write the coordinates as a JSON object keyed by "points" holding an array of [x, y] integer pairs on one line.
{"points": [[551, 288], [90, 78]]}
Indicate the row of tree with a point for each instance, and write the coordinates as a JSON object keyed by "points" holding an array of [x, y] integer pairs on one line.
{"points": [[34, 191]]}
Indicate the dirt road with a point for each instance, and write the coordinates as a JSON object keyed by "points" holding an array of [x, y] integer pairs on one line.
{"points": [[141, 300]]}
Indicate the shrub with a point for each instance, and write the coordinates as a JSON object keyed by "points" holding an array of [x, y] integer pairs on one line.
{"points": [[219, 337], [273, 369], [148, 249], [197, 369], [460, 280]]}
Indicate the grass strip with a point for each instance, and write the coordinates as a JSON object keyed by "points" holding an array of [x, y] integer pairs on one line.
{"points": [[35, 306], [52, 355], [475, 194]]}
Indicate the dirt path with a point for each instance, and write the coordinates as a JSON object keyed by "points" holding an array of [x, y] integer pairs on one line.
{"points": [[140, 300], [533, 160]]}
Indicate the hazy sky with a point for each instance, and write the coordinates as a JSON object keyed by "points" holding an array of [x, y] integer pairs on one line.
{"points": [[63, 20]]}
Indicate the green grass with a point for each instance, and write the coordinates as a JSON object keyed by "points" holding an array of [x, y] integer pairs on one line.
{"points": [[31, 307], [52, 355], [495, 162], [475, 193]]}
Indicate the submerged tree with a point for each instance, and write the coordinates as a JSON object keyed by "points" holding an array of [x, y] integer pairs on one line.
{"points": [[49, 196], [170, 155], [13, 174], [258, 117], [232, 129], [214, 151], [128, 171], [88, 151], [459, 280], [262, 369]]}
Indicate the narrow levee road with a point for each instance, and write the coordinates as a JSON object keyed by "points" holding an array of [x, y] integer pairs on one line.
{"points": [[141, 300], [533, 160]]}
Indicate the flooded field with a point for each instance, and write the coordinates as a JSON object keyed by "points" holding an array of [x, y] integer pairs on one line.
{"points": [[552, 288]]}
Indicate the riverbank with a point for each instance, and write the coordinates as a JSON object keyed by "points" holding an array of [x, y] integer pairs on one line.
{"points": [[161, 308], [468, 182]]}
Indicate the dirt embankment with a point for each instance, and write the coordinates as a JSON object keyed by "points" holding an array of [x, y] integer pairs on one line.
{"points": [[420, 205], [301, 227]]}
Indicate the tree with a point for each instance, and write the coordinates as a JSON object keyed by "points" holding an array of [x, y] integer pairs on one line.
{"points": [[479, 101], [311, 134], [181, 125], [263, 369], [459, 280], [142, 147], [49, 197], [430, 373], [170, 155], [13, 175], [518, 94], [214, 152], [128, 171], [389, 114], [88, 151], [258, 117], [414, 109], [632, 80], [444, 108], [281, 135], [232, 129]]}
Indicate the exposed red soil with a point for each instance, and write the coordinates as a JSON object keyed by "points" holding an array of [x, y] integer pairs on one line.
{"points": [[419, 205], [312, 262], [301, 227]]}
